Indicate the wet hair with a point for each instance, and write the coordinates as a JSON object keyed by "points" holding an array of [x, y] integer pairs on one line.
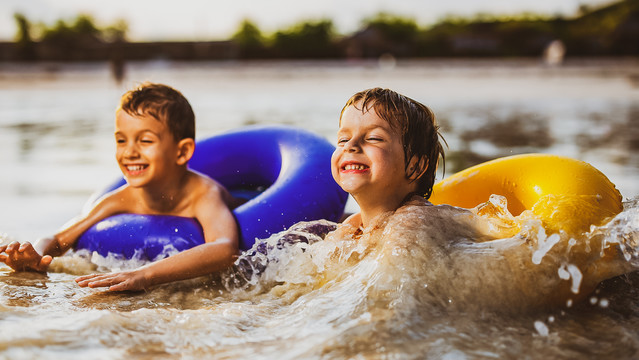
{"points": [[418, 129], [163, 103]]}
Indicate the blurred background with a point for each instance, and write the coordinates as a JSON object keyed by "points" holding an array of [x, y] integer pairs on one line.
{"points": [[503, 78]]}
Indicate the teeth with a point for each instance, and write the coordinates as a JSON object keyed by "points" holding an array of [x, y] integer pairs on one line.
{"points": [[354, 167], [135, 167]]}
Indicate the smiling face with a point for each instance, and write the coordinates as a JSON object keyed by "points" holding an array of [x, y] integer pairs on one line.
{"points": [[146, 151], [368, 162]]}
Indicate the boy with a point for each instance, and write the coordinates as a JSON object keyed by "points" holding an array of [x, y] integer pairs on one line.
{"points": [[154, 134], [387, 152]]}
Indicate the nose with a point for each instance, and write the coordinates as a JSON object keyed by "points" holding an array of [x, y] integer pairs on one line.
{"points": [[130, 150], [352, 145]]}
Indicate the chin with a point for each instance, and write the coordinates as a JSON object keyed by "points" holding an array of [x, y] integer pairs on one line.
{"points": [[354, 190], [136, 183]]}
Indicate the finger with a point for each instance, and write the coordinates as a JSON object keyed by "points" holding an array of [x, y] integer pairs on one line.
{"points": [[12, 247], [4, 257], [45, 262], [103, 281], [82, 282], [99, 284], [3, 248], [123, 286], [25, 247], [85, 279]]}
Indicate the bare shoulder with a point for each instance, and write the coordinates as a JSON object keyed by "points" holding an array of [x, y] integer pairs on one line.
{"points": [[201, 186], [419, 207], [354, 220], [440, 222], [346, 228], [120, 200], [204, 190], [209, 204]]}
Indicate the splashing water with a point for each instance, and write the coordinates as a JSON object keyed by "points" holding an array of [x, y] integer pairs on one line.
{"points": [[423, 282]]}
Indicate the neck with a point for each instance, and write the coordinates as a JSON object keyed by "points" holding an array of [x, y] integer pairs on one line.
{"points": [[371, 208]]}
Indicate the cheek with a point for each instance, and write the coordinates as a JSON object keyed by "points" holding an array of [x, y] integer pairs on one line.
{"points": [[397, 155], [118, 152], [334, 163], [154, 156]]}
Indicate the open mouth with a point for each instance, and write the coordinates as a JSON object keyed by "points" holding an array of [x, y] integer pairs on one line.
{"points": [[136, 168], [354, 167]]}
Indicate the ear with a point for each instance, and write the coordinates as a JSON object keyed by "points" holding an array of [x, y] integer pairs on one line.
{"points": [[420, 164], [186, 147]]}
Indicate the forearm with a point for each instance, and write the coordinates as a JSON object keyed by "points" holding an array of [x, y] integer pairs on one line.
{"points": [[49, 246], [198, 261], [66, 238], [59, 243]]}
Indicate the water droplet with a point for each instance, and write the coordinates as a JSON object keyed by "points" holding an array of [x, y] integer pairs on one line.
{"points": [[576, 276], [541, 328], [563, 273]]}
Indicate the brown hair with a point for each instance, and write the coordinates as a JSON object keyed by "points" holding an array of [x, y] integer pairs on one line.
{"points": [[417, 126], [165, 104]]}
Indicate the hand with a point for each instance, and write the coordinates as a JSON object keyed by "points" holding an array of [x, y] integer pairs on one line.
{"points": [[24, 257], [118, 281]]}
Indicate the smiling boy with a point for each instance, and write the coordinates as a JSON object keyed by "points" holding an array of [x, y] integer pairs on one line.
{"points": [[154, 133], [387, 152]]}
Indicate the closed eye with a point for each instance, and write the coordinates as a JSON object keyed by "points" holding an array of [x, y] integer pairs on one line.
{"points": [[147, 139]]}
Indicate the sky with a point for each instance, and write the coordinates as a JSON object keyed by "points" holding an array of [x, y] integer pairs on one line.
{"points": [[216, 20]]}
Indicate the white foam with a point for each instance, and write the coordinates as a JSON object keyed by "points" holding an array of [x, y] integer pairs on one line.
{"points": [[545, 244], [541, 328]]}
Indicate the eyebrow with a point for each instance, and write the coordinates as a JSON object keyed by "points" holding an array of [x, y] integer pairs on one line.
{"points": [[369, 128], [140, 132]]}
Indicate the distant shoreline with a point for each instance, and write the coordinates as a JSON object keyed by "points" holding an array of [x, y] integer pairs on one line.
{"points": [[623, 62]]}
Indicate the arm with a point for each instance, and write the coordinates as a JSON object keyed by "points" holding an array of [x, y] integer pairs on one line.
{"points": [[348, 228], [201, 260], [38, 256], [221, 236]]}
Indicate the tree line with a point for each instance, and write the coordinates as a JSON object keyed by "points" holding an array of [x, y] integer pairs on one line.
{"points": [[611, 30]]}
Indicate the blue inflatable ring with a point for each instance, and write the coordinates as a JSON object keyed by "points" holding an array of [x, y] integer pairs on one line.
{"points": [[285, 172]]}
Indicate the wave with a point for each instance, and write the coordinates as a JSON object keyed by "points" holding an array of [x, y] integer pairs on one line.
{"points": [[442, 257]]}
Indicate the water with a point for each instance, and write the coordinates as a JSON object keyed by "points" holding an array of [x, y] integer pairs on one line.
{"points": [[397, 295]]}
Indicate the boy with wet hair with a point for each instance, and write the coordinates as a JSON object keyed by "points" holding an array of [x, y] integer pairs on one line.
{"points": [[386, 156], [154, 134], [417, 126], [388, 146]]}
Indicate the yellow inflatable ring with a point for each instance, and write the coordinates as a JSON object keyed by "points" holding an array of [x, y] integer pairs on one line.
{"points": [[560, 190]]}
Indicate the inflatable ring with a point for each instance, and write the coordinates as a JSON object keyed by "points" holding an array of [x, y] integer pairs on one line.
{"points": [[284, 172], [545, 184]]}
